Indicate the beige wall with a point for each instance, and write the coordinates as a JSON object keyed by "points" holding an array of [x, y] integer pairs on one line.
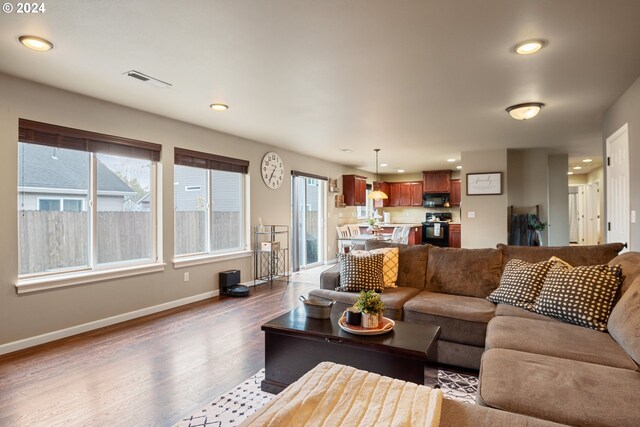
{"points": [[489, 227], [558, 200], [28, 315], [627, 110]]}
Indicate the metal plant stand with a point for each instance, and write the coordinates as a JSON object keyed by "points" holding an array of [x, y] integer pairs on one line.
{"points": [[270, 254]]}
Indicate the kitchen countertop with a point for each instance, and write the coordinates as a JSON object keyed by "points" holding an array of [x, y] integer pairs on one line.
{"points": [[394, 224]]}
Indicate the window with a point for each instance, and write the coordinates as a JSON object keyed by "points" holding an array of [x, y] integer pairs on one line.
{"points": [[67, 205], [363, 211], [86, 201], [209, 195]]}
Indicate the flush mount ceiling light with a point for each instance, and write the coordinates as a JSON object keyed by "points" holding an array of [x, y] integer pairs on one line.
{"points": [[383, 165], [525, 111], [377, 194], [451, 160], [569, 173], [587, 161], [577, 168], [400, 170], [36, 43], [219, 107], [529, 47], [459, 167]]}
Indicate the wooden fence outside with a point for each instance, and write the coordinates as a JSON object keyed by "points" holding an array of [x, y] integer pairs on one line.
{"points": [[51, 240]]}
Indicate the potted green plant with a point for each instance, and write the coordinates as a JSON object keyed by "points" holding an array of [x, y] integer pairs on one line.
{"points": [[371, 306]]}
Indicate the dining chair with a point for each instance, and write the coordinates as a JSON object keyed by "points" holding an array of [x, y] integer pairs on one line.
{"points": [[343, 236], [354, 229], [396, 236]]}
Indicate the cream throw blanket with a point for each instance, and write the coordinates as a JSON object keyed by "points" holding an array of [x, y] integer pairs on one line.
{"points": [[338, 395]]}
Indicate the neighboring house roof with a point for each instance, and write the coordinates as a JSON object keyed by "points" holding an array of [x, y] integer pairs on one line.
{"points": [[37, 168]]}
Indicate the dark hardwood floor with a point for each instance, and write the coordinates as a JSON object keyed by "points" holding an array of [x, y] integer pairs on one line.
{"points": [[149, 371]]}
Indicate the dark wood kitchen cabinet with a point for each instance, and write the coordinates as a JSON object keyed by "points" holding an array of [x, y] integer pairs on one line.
{"points": [[405, 193], [384, 187], [354, 189], [455, 235], [436, 181], [416, 193], [455, 193]]}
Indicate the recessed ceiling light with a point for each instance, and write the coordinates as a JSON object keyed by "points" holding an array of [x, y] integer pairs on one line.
{"points": [[525, 111], [587, 161], [400, 170], [569, 173], [219, 107], [345, 150], [36, 43], [577, 168], [459, 167], [528, 47], [451, 160], [383, 165]]}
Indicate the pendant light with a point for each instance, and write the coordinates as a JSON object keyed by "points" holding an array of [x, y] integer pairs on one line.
{"points": [[376, 194]]}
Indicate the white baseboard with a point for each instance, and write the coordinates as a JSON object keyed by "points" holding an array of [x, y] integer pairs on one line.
{"points": [[97, 324]]}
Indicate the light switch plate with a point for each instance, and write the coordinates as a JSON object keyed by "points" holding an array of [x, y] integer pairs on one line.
{"points": [[471, 214], [633, 217]]}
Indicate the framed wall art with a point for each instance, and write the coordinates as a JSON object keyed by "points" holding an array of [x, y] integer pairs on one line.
{"points": [[484, 184]]}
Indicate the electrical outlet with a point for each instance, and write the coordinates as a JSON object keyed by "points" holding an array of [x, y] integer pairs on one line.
{"points": [[186, 276], [633, 217]]}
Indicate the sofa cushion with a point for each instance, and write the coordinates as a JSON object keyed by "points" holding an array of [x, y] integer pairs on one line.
{"points": [[520, 283], [630, 263], [574, 255], [459, 414], [583, 393], [556, 339], [393, 299], [509, 310], [624, 322], [468, 272], [461, 319], [360, 272], [581, 295], [412, 262]]}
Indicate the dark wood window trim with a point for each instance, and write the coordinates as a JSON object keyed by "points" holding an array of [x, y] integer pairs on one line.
{"points": [[198, 159], [309, 175], [76, 139]]}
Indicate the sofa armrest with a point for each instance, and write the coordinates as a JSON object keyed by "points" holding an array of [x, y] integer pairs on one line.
{"points": [[330, 278]]}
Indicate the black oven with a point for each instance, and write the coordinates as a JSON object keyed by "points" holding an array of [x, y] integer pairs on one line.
{"points": [[435, 230], [435, 233]]}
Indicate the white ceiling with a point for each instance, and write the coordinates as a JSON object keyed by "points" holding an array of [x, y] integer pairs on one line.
{"points": [[422, 80]]}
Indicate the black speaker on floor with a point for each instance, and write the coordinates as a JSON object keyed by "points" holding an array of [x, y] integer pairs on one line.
{"points": [[229, 284]]}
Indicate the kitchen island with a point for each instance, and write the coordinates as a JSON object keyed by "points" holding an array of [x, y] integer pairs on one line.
{"points": [[415, 234]]}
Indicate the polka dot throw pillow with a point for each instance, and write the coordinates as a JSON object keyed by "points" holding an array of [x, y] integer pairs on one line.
{"points": [[580, 295], [361, 272], [521, 283]]}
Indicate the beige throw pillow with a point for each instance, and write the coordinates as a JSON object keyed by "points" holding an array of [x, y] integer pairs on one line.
{"points": [[389, 265]]}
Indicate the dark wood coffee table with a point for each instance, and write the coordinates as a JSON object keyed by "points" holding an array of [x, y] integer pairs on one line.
{"points": [[294, 344]]}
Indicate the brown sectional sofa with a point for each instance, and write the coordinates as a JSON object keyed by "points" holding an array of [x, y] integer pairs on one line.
{"points": [[529, 364]]}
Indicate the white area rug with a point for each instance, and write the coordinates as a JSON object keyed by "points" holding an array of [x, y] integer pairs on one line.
{"points": [[234, 406]]}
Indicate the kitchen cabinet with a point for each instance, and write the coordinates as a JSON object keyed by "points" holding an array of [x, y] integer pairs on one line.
{"points": [[416, 193], [354, 189], [455, 193], [405, 194], [455, 235], [436, 181], [384, 187]]}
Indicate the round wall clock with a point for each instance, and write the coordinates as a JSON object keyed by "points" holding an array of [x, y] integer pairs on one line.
{"points": [[272, 170]]}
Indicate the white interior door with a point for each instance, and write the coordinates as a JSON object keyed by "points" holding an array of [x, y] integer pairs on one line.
{"points": [[617, 146]]}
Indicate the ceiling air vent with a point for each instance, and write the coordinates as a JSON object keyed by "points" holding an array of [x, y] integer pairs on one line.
{"points": [[147, 79]]}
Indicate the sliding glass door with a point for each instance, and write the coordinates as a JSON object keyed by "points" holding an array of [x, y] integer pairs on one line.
{"points": [[308, 217]]}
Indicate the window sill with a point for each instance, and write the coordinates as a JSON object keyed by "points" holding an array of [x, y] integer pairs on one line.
{"points": [[79, 278], [207, 259]]}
